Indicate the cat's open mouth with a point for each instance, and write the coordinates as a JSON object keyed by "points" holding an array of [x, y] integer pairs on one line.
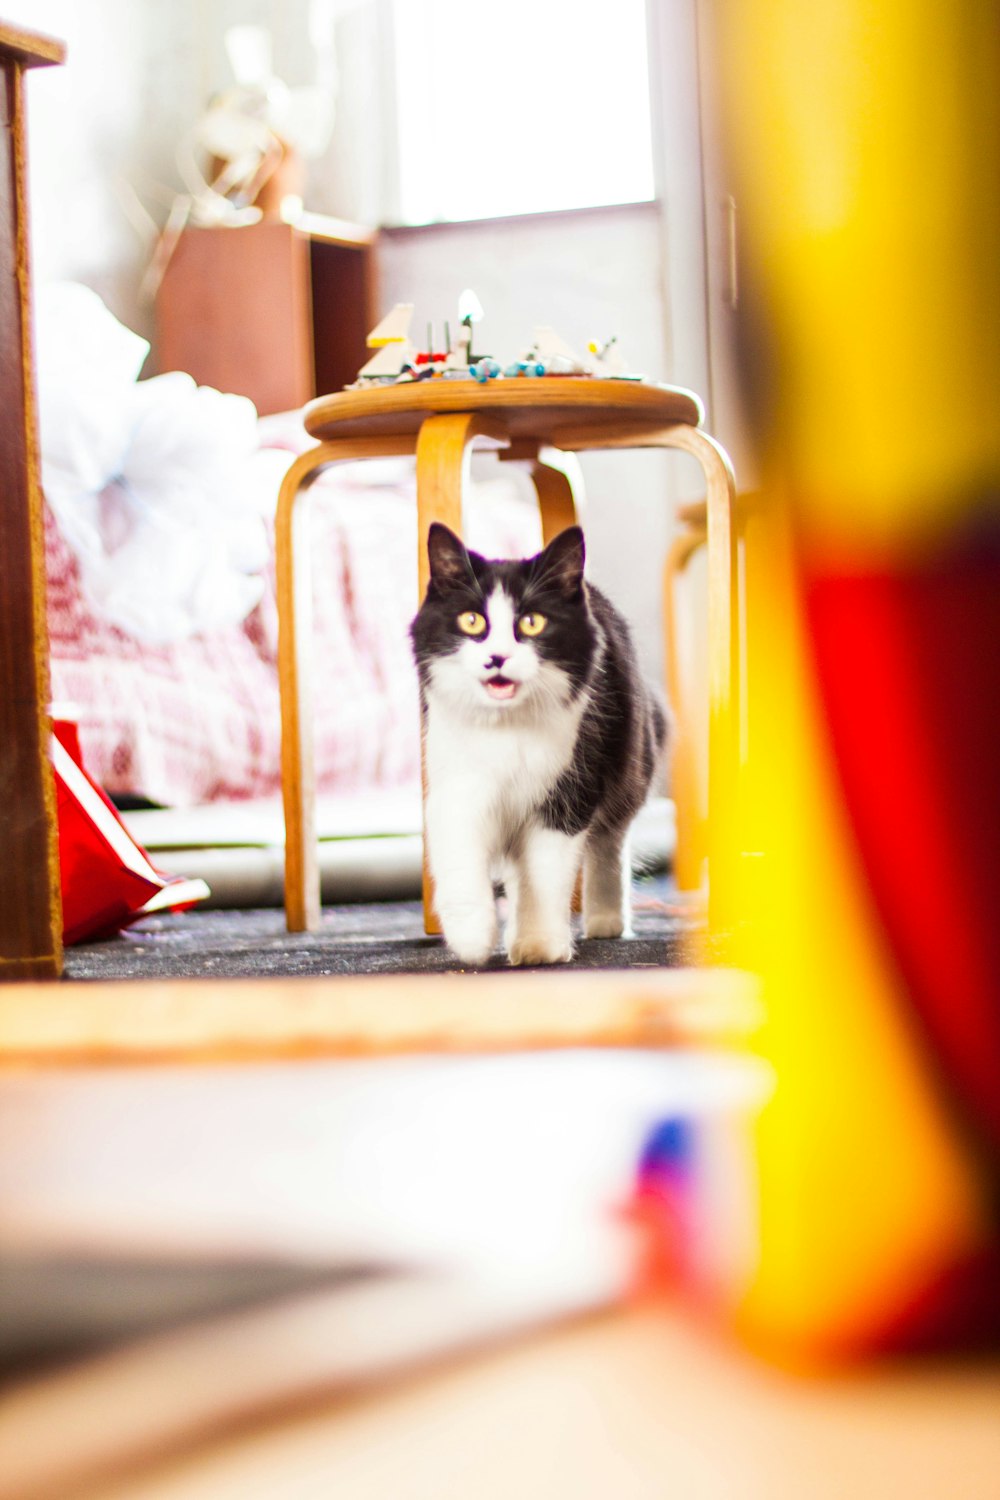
{"points": [[501, 688]]}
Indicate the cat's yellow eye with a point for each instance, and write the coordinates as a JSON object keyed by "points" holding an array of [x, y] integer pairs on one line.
{"points": [[471, 623], [532, 624]]}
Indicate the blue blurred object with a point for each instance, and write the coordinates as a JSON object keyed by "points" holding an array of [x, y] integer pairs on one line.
{"points": [[525, 367], [485, 369], [668, 1152]]}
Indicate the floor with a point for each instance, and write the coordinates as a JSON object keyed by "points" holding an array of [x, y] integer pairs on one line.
{"points": [[640, 1406], [377, 938]]}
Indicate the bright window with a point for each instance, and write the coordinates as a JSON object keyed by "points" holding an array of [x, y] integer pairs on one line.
{"points": [[520, 106]]}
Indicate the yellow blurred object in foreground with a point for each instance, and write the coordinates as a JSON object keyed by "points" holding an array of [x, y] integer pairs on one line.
{"points": [[866, 137], [866, 143]]}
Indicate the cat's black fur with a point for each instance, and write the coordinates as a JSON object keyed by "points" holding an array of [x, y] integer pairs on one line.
{"points": [[620, 741]]}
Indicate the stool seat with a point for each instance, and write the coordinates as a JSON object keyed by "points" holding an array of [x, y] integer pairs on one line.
{"points": [[561, 410]]}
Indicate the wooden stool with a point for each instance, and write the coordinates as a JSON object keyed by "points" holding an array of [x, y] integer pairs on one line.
{"points": [[541, 423]]}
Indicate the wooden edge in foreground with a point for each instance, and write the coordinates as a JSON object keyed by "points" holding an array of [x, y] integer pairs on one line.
{"points": [[217, 1020]]}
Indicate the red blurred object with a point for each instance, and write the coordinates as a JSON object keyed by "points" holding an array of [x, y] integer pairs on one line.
{"points": [[958, 1309], [909, 668], [107, 879]]}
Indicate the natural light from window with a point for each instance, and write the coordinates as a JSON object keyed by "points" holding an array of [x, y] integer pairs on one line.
{"points": [[521, 106]]}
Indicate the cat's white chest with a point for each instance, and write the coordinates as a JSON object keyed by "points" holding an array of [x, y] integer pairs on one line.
{"points": [[500, 772]]}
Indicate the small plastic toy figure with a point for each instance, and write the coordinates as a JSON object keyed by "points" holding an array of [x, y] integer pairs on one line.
{"points": [[605, 361], [393, 350], [548, 355]]}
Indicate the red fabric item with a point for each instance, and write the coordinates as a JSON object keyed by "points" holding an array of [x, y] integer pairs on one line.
{"points": [[909, 671], [107, 880]]}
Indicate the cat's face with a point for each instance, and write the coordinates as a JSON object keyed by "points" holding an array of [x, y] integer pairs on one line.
{"points": [[500, 638]]}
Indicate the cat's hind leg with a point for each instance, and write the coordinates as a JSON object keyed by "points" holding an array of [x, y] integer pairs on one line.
{"points": [[540, 884], [606, 884]]}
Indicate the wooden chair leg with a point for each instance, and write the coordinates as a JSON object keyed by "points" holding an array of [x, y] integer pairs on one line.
{"points": [[294, 600], [559, 486], [444, 450], [558, 483], [689, 854], [298, 786], [723, 660]]}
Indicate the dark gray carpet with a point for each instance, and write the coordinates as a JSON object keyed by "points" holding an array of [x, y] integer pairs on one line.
{"points": [[386, 938]]}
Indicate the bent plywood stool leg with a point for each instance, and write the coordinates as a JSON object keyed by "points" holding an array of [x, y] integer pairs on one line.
{"points": [[294, 598], [444, 450], [558, 482], [723, 656], [689, 851]]}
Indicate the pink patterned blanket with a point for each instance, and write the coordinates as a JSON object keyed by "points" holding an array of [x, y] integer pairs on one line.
{"points": [[197, 721]]}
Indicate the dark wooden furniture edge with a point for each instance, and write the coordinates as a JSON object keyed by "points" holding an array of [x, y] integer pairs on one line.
{"points": [[30, 908]]}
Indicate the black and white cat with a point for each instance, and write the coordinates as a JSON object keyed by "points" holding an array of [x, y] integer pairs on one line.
{"points": [[541, 743]]}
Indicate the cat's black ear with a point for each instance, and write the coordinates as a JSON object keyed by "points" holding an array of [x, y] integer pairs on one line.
{"points": [[560, 565], [447, 556]]}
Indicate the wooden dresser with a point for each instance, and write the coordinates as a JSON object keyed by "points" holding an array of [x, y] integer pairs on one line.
{"points": [[273, 311]]}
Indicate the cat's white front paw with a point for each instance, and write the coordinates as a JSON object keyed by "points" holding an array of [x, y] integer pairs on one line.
{"points": [[550, 948], [471, 939], [603, 924]]}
